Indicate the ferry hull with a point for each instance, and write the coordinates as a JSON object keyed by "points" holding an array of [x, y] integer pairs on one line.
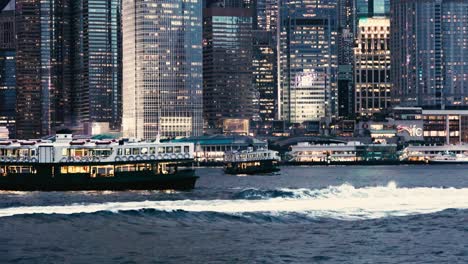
{"points": [[443, 162], [183, 180], [266, 166]]}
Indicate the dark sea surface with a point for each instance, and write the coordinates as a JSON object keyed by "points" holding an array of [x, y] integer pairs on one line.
{"points": [[357, 214]]}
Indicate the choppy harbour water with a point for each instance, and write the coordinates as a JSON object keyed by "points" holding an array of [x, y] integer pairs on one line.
{"points": [[381, 214]]}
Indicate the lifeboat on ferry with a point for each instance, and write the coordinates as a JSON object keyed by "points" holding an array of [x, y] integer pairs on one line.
{"points": [[27, 143], [103, 142], [77, 143]]}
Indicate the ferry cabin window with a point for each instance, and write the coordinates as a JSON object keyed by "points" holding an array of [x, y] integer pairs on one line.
{"points": [[128, 151], [166, 168], [74, 169], [102, 171], [152, 150], [143, 167], [161, 150], [79, 152], [144, 151], [119, 152], [123, 168], [20, 169], [102, 152], [11, 152], [135, 151], [23, 152], [169, 150], [64, 152], [177, 149], [186, 149]]}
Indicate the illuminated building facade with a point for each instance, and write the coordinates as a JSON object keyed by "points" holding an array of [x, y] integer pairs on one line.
{"points": [[372, 66], [308, 60], [43, 67], [97, 61], [449, 126], [265, 74], [346, 32], [265, 58], [428, 42], [162, 68], [7, 68], [68, 65], [227, 62]]}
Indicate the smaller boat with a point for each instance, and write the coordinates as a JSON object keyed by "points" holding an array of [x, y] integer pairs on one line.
{"points": [[449, 158], [251, 161]]}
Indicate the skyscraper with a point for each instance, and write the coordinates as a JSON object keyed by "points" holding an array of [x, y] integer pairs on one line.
{"points": [[265, 57], [372, 66], [97, 60], [7, 66], [428, 42], [309, 54], [43, 67], [162, 68], [346, 32], [68, 65], [228, 87]]}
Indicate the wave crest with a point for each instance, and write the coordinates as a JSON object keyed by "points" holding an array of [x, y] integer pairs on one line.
{"points": [[344, 202]]}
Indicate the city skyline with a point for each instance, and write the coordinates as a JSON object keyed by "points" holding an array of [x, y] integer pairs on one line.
{"points": [[234, 131], [210, 66]]}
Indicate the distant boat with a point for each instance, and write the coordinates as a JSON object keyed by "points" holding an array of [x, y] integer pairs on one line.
{"points": [[252, 161], [426, 153], [350, 153], [449, 158]]}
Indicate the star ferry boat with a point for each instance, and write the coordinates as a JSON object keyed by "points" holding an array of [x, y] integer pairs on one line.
{"points": [[251, 161], [66, 164]]}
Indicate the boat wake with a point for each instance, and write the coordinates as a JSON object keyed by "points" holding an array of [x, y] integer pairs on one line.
{"points": [[343, 202]]}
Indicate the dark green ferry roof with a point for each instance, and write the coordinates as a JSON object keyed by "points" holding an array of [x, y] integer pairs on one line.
{"points": [[222, 140]]}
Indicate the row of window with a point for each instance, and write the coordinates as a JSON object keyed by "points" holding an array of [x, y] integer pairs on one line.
{"points": [[18, 152], [153, 150]]}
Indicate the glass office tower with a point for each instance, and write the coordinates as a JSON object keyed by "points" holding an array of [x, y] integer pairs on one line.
{"points": [[265, 58], [7, 67], [68, 65], [162, 68], [346, 32], [429, 61], [228, 88], [265, 74], [309, 60], [97, 58], [43, 67]]}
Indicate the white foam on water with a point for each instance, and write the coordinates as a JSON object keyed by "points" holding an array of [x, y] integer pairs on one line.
{"points": [[17, 193], [339, 202]]}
